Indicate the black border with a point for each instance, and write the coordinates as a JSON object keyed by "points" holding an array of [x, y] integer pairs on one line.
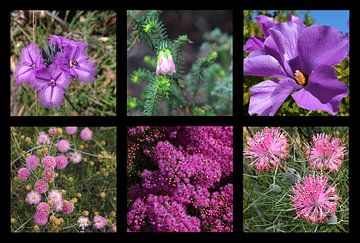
{"points": [[121, 121]]}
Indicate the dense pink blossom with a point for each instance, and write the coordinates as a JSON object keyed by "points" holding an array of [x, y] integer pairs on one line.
{"points": [[42, 214], [43, 138], [23, 174], [48, 175], [313, 199], [61, 162], [33, 197], [55, 196], [71, 130], [99, 222], [32, 162], [186, 168], [49, 162], [75, 157], [86, 134], [267, 149], [41, 186], [325, 153], [63, 145], [68, 207]]}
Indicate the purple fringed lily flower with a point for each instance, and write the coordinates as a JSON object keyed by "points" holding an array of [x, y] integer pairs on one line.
{"points": [[51, 84], [300, 59], [30, 62]]}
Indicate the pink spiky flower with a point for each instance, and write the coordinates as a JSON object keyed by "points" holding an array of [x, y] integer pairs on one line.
{"points": [[325, 153], [267, 149], [313, 199]]}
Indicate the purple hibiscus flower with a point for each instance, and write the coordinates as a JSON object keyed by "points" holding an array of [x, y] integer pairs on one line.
{"points": [[51, 84], [300, 59], [30, 62]]}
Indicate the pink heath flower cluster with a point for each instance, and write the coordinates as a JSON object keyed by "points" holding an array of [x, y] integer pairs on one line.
{"points": [[45, 173], [267, 149], [191, 168]]}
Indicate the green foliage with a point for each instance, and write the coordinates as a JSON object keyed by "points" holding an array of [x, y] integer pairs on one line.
{"points": [[289, 108], [269, 211], [181, 93]]}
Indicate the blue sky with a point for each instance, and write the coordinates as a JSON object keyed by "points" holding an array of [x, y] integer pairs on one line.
{"points": [[336, 18]]}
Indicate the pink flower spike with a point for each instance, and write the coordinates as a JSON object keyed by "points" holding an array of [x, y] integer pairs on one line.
{"points": [[325, 153], [313, 199], [267, 149], [23, 174], [86, 134]]}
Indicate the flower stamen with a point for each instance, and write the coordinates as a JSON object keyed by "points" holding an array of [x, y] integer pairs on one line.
{"points": [[300, 78]]}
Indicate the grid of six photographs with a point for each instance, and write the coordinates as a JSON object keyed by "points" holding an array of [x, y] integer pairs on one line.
{"points": [[183, 113]]}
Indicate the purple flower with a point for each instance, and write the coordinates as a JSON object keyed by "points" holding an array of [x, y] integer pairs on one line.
{"points": [[75, 61], [301, 59], [30, 62], [51, 85]]}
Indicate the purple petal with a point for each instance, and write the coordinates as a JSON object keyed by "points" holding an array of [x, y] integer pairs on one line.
{"points": [[62, 78], [265, 23], [263, 66], [295, 19], [51, 97], [321, 45], [253, 43], [41, 78], [23, 73], [85, 71], [285, 36], [267, 96], [323, 92]]}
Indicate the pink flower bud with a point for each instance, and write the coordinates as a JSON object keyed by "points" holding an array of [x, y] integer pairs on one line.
{"points": [[165, 63]]}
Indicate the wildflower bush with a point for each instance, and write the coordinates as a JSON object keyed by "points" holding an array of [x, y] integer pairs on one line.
{"points": [[293, 66], [63, 179], [296, 179], [63, 63], [171, 89], [180, 179]]}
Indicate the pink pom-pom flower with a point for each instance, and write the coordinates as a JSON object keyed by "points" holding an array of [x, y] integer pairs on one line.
{"points": [[86, 134], [313, 199], [75, 157], [267, 149], [49, 162], [99, 222], [41, 186], [61, 162], [43, 138], [63, 145], [23, 174], [325, 153], [33, 197], [68, 208], [71, 130], [32, 162]]}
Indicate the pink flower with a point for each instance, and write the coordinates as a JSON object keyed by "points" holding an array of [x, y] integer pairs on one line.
{"points": [[43, 138], [49, 175], [33, 197], [325, 153], [23, 174], [63, 145], [313, 199], [59, 205], [99, 222], [41, 186], [75, 157], [71, 130], [86, 134], [267, 148], [42, 213], [32, 162], [165, 63], [61, 162], [68, 207], [55, 196], [49, 162]]}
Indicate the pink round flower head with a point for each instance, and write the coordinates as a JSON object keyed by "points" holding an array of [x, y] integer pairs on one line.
{"points": [[23, 174], [267, 149], [55, 196], [53, 131], [33, 197], [165, 63], [41, 186], [59, 206], [49, 175], [99, 222], [32, 162], [42, 213], [86, 134], [325, 153], [75, 157], [71, 130], [313, 199], [49, 162], [43, 138], [63, 145], [68, 207], [61, 162]]}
